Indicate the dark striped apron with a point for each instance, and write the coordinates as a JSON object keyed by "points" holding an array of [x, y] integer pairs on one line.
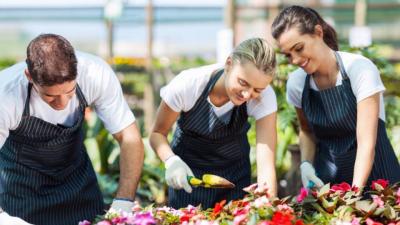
{"points": [[46, 175], [332, 115], [209, 145]]}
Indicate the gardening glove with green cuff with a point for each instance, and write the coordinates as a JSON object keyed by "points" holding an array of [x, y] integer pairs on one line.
{"points": [[308, 176], [177, 172], [6, 219], [122, 204]]}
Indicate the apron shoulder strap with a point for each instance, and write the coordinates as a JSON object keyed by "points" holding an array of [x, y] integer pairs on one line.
{"points": [[214, 78], [341, 66]]}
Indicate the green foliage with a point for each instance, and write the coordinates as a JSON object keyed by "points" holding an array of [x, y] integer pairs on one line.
{"points": [[134, 83], [104, 153], [4, 63]]}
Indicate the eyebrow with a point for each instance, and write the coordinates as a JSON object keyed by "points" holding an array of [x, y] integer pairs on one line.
{"points": [[293, 47], [72, 90], [250, 85]]}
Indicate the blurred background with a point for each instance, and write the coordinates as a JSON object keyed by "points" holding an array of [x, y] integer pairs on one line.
{"points": [[148, 42]]}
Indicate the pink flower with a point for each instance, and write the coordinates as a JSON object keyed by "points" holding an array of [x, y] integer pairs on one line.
{"points": [[381, 182], [143, 219], [398, 196], [103, 222], [378, 201], [119, 220], [303, 194], [85, 222], [285, 208], [264, 223], [355, 221], [240, 219], [369, 221], [250, 189], [262, 201]]}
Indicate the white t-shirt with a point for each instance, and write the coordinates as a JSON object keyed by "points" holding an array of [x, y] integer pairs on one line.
{"points": [[364, 78], [183, 91], [98, 83]]}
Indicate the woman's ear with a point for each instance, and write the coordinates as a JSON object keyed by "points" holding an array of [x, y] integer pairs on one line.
{"points": [[228, 64], [318, 31]]}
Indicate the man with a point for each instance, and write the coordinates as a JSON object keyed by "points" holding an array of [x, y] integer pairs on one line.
{"points": [[46, 177]]}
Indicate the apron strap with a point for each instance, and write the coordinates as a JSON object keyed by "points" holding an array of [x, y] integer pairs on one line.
{"points": [[341, 66], [81, 98], [214, 78]]}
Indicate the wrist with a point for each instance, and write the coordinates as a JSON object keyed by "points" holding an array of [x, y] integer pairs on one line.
{"points": [[306, 164], [171, 159], [123, 199]]}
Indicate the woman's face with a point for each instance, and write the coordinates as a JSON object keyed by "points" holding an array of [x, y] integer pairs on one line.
{"points": [[244, 82], [303, 50]]}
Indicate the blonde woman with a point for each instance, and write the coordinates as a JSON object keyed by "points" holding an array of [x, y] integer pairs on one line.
{"points": [[211, 105]]}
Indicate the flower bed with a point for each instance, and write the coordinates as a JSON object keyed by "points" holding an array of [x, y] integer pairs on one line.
{"points": [[337, 204]]}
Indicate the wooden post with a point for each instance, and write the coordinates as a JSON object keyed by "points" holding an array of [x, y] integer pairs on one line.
{"points": [[110, 39], [230, 18], [149, 107], [360, 13]]}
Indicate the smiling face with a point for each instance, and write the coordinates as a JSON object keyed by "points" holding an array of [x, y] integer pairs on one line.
{"points": [[303, 50], [244, 81]]}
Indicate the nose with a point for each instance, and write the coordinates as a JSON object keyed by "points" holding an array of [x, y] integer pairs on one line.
{"points": [[296, 60], [247, 93], [62, 101]]}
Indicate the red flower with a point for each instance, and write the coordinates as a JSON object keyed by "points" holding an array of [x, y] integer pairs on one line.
{"points": [[218, 207], [282, 218], [341, 188], [381, 182], [188, 213]]}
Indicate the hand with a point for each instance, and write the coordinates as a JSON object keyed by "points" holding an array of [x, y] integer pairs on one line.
{"points": [[120, 204], [6, 219], [177, 172], [308, 176]]}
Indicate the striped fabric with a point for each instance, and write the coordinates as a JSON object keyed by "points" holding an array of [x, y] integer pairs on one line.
{"points": [[332, 115], [208, 144], [46, 175]]}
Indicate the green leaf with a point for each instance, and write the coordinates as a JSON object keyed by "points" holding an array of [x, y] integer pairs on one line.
{"points": [[324, 190], [389, 213], [366, 206]]}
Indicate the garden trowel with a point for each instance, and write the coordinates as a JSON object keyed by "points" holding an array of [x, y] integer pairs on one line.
{"points": [[210, 181]]}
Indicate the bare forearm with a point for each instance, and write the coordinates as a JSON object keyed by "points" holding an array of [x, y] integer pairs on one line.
{"points": [[160, 145], [363, 165], [131, 163], [307, 146], [266, 170]]}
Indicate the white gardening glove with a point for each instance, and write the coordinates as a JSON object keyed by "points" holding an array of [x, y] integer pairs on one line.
{"points": [[308, 176], [120, 204], [6, 219], [177, 172]]}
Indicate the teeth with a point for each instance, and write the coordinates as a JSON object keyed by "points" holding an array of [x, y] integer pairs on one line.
{"points": [[304, 64]]}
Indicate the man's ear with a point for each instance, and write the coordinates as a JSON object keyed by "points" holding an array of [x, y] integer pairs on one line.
{"points": [[28, 75]]}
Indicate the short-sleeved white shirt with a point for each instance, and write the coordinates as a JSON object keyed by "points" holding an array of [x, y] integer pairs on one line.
{"points": [[364, 78], [98, 83], [183, 91]]}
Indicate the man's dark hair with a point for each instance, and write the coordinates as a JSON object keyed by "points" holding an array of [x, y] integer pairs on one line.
{"points": [[51, 60]]}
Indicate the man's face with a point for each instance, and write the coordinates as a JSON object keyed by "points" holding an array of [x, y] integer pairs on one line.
{"points": [[57, 96]]}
